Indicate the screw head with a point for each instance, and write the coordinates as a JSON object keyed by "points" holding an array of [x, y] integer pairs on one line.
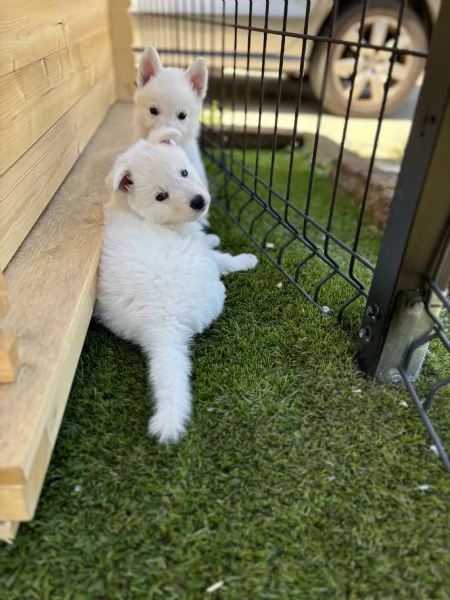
{"points": [[415, 303], [372, 311], [393, 376], [365, 333]]}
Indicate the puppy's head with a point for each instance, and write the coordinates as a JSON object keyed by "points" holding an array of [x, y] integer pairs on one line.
{"points": [[169, 97], [158, 182]]}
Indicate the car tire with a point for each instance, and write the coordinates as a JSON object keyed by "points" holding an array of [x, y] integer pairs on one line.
{"points": [[368, 85]]}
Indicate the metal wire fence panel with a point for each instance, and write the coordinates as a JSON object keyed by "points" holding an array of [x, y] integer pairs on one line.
{"points": [[430, 392], [283, 77], [279, 186]]}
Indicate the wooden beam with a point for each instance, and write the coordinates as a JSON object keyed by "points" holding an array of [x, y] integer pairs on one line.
{"points": [[51, 283], [3, 296], [30, 183], [121, 40], [36, 96], [125, 74], [8, 531], [9, 358]]}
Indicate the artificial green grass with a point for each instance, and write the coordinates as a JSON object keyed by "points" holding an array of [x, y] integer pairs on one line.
{"points": [[328, 208], [298, 478]]}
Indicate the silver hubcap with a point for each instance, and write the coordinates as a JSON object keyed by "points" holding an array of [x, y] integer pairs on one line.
{"points": [[373, 65]]}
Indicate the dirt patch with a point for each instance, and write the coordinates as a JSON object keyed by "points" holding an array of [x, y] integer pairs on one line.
{"points": [[352, 178]]}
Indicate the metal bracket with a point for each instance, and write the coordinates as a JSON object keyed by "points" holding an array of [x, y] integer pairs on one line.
{"points": [[409, 337]]}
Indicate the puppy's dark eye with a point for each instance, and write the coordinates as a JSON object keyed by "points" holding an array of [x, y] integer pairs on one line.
{"points": [[182, 115], [162, 196], [154, 110], [184, 173]]}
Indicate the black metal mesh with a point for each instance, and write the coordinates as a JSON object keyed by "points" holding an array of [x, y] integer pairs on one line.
{"points": [[431, 392], [278, 213]]}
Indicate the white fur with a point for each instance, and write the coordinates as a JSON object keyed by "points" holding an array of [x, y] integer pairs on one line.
{"points": [[171, 91], [159, 280]]}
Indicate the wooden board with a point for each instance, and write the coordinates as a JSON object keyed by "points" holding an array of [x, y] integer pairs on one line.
{"points": [[36, 96], [51, 285], [125, 74], [121, 39], [9, 358], [30, 183], [31, 30], [3, 296], [8, 530]]}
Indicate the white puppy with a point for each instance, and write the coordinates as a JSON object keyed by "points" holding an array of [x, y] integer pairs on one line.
{"points": [[169, 97], [159, 281]]}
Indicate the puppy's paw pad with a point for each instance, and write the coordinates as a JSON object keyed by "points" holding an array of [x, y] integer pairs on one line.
{"points": [[213, 240], [247, 261], [167, 430]]}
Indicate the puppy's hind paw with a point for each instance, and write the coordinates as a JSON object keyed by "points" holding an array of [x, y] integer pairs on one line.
{"points": [[212, 240], [246, 261], [167, 429]]}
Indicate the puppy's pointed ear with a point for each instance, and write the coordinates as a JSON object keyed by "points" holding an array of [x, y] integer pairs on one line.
{"points": [[163, 135], [149, 66], [197, 74], [125, 183], [120, 179]]}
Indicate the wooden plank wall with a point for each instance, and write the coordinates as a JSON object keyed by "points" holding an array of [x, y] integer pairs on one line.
{"points": [[56, 85]]}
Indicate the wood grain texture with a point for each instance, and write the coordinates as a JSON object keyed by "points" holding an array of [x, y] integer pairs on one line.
{"points": [[51, 284], [30, 183], [121, 39], [9, 355], [30, 30], [34, 98], [125, 74], [9, 358], [3, 296]]}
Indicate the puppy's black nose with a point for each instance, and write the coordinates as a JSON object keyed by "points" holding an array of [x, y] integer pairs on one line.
{"points": [[198, 202]]}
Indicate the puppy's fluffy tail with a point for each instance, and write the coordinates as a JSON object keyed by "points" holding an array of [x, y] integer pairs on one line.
{"points": [[169, 375]]}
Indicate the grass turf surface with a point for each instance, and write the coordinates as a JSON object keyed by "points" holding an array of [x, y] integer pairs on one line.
{"points": [[297, 479]]}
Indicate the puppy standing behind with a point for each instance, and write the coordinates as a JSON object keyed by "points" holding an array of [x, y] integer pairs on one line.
{"points": [[169, 97], [159, 281]]}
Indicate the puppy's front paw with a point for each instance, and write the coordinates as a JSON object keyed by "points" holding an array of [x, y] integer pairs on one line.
{"points": [[166, 428], [212, 240], [247, 261]]}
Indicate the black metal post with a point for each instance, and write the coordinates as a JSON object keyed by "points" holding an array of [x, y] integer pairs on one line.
{"points": [[415, 244]]}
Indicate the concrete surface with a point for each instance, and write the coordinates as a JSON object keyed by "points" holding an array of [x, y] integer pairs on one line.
{"points": [[360, 134]]}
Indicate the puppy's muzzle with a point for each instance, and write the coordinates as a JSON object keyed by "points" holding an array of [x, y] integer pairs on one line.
{"points": [[198, 203]]}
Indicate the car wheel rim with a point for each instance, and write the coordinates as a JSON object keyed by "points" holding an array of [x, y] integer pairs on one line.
{"points": [[369, 74]]}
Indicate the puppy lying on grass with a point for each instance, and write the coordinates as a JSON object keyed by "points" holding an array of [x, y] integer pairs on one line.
{"points": [[159, 278]]}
